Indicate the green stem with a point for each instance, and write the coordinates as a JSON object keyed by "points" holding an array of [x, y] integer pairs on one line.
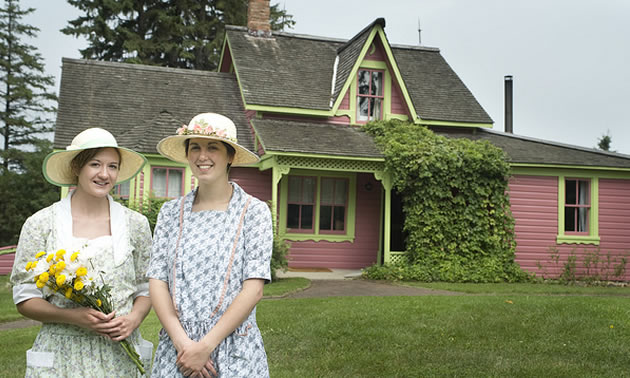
{"points": [[135, 357]]}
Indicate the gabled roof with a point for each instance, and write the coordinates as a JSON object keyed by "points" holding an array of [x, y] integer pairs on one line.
{"points": [[310, 137], [283, 71], [296, 71], [348, 54], [536, 152], [435, 89], [141, 104]]}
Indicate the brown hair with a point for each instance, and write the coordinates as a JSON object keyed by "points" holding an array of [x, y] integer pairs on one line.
{"points": [[83, 157]]}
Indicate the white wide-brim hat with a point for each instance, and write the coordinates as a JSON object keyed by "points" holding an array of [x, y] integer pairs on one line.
{"points": [[207, 126], [58, 171]]}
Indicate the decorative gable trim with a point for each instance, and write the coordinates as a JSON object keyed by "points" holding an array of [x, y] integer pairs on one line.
{"points": [[377, 29]]}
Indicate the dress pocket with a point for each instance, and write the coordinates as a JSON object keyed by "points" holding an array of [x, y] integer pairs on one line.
{"points": [[40, 359], [240, 355]]}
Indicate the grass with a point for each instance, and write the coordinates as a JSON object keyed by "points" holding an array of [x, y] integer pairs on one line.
{"points": [[8, 312], [284, 286], [504, 330], [523, 288]]}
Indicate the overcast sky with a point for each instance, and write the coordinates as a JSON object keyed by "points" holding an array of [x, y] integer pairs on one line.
{"points": [[570, 59]]}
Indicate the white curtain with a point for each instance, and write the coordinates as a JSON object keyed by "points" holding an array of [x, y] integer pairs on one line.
{"points": [[583, 199]]}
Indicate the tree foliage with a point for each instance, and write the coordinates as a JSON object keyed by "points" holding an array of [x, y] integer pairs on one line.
{"points": [[173, 33], [457, 211], [26, 107], [24, 191], [604, 142]]}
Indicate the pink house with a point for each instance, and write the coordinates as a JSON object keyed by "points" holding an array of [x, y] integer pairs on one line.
{"points": [[300, 101]]}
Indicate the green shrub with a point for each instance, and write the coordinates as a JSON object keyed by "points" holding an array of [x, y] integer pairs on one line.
{"points": [[280, 252], [279, 256], [150, 207], [597, 265], [457, 211]]}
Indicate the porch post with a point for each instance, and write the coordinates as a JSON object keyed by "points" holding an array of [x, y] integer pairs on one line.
{"points": [[276, 175], [386, 180]]}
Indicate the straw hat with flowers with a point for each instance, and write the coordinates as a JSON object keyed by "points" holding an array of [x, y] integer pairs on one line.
{"points": [[211, 126]]}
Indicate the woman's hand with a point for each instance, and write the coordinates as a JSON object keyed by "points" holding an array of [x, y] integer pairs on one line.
{"points": [[91, 319], [193, 359], [119, 328]]}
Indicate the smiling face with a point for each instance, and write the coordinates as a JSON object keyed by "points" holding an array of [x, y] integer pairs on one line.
{"points": [[98, 175], [208, 159]]}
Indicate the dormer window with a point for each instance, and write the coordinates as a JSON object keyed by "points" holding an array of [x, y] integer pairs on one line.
{"points": [[369, 95]]}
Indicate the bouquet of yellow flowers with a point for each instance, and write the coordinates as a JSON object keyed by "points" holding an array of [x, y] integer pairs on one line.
{"points": [[76, 278]]}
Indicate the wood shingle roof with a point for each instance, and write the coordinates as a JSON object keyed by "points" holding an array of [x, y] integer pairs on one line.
{"points": [[531, 151], [314, 138], [296, 71], [142, 104]]}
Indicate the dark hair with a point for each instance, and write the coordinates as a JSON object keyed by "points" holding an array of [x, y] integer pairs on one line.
{"points": [[231, 152], [83, 157]]}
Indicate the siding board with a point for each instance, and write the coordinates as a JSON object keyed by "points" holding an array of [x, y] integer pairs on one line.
{"points": [[534, 206]]}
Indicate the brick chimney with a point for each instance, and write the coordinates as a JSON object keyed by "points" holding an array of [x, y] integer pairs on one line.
{"points": [[258, 13]]}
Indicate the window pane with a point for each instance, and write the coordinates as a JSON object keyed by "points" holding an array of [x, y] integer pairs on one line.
{"points": [[159, 182], [570, 192], [371, 117], [377, 83], [362, 108], [376, 110], [583, 195], [364, 82], [307, 217], [569, 219], [123, 189], [308, 190], [341, 192], [294, 189], [582, 225], [174, 183], [293, 216], [340, 214], [328, 188], [325, 217]]}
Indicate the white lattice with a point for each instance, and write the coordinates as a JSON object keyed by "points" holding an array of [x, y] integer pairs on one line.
{"points": [[398, 258], [330, 164]]}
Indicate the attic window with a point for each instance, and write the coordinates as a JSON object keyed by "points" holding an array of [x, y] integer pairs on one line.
{"points": [[369, 95]]}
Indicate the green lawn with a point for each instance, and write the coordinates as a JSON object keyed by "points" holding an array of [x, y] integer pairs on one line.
{"points": [[502, 330]]}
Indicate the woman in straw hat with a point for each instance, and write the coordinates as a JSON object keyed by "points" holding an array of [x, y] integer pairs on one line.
{"points": [[210, 260], [78, 341]]}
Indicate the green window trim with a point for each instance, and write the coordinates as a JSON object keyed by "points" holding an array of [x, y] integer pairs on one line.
{"points": [[593, 235], [316, 235]]}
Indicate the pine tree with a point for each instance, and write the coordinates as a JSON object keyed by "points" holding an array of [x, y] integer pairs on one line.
{"points": [[604, 142], [15, 206], [27, 105], [173, 33]]}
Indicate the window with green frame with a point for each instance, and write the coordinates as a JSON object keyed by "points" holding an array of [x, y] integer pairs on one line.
{"points": [[318, 206], [577, 210]]}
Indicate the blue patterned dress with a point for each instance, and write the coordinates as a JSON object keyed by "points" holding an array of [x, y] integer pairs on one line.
{"points": [[212, 262]]}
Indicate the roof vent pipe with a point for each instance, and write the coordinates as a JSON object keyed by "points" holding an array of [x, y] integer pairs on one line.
{"points": [[508, 104]]}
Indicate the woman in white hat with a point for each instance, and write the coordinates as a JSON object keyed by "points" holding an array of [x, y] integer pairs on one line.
{"points": [[77, 341], [210, 260]]}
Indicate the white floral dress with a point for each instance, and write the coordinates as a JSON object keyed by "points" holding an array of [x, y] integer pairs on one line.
{"points": [[62, 350], [214, 258]]}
